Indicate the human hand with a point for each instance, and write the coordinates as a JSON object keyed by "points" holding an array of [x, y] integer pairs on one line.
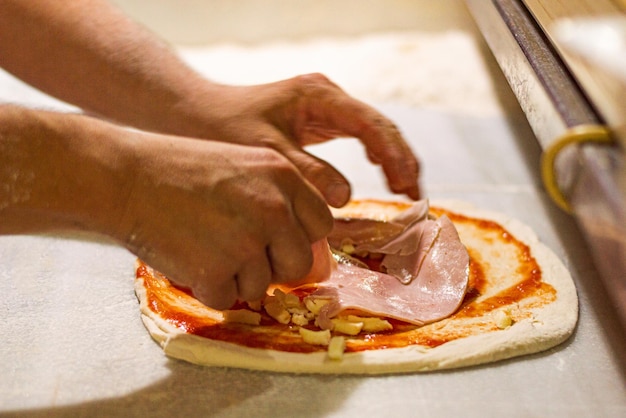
{"points": [[222, 220], [308, 109], [114, 68]]}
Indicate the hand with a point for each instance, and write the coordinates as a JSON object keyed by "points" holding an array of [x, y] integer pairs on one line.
{"points": [[114, 68], [222, 220], [308, 109]]}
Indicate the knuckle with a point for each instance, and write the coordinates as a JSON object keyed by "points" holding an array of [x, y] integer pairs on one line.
{"points": [[314, 79], [220, 295]]}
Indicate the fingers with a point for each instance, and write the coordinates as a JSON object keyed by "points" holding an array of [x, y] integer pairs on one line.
{"points": [[217, 294], [253, 278], [384, 145], [331, 183], [289, 226], [312, 213], [287, 258], [291, 259], [309, 221], [330, 112], [221, 286]]}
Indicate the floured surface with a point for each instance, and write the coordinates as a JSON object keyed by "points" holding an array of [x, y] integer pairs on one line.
{"points": [[410, 68], [70, 314], [407, 68], [73, 344]]}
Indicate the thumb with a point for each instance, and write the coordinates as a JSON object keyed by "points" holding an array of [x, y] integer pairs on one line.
{"points": [[324, 177], [331, 183]]}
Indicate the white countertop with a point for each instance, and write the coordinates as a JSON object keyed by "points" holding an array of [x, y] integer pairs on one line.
{"points": [[73, 343]]}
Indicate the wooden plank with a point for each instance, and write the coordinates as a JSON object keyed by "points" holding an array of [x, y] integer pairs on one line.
{"points": [[604, 90]]}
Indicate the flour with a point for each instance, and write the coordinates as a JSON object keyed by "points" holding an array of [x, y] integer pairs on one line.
{"points": [[441, 70], [444, 71]]}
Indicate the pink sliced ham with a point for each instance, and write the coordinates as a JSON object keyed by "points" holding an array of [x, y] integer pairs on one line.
{"points": [[385, 237], [428, 273]]}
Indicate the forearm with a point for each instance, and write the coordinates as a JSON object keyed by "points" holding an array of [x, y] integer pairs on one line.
{"points": [[91, 55], [57, 173]]}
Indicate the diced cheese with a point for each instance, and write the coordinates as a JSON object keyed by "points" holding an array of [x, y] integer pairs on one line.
{"points": [[299, 319], [276, 310], [344, 326], [288, 300], [292, 301], [315, 337], [299, 310], [336, 347], [314, 305], [242, 316], [348, 248], [371, 324], [503, 319]]}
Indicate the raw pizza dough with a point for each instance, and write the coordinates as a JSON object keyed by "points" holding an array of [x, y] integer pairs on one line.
{"points": [[527, 326]]}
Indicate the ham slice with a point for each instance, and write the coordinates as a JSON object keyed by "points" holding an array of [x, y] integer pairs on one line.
{"points": [[385, 237], [427, 266]]}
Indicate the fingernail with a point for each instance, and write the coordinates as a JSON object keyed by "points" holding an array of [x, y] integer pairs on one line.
{"points": [[337, 194]]}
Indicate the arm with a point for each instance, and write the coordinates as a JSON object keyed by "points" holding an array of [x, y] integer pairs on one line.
{"points": [[169, 200], [88, 53]]}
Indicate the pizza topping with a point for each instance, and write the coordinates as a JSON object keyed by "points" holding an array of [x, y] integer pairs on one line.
{"points": [[287, 308], [277, 311], [315, 305], [315, 337], [405, 266], [403, 242], [398, 235], [371, 324], [433, 284], [503, 318], [505, 284], [336, 347], [347, 327], [361, 234]]}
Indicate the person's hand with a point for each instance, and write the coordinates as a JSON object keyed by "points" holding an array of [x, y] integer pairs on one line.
{"points": [[222, 220], [116, 69], [308, 109]]}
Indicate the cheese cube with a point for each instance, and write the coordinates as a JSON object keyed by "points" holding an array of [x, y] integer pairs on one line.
{"points": [[347, 327], [315, 337], [314, 305], [503, 319], [336, 347], [276, 310], [299, 319], [348, 248], [372, 324]]}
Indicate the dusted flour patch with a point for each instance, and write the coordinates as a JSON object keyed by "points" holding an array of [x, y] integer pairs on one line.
{"points": [[411, 68]]}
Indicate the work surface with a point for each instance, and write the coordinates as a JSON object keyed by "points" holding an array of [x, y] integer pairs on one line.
{"points": [[73, 343]]}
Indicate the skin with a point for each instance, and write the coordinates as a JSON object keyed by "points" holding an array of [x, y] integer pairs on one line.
{"points": [[211, 169]]}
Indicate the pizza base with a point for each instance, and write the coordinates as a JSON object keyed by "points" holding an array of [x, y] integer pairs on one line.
{"points": [[545, 327]]}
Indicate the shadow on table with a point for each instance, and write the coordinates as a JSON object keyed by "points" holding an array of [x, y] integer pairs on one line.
{"points": [[200, 391]]}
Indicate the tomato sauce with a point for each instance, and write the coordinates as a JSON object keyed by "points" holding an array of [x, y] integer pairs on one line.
{"points": [[529, 289]]}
